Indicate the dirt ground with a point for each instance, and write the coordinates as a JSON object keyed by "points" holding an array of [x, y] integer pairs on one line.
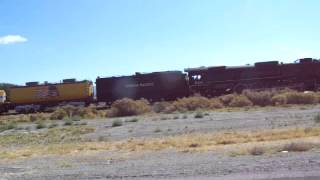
{"points": [[173, 164]]}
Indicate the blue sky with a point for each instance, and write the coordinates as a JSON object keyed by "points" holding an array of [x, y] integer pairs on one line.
{"points": [[58, 39]]}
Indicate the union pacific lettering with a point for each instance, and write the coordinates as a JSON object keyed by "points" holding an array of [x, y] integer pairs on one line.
{"points": [[139, 85]]}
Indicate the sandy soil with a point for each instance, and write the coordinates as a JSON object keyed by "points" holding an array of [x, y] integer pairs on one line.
{"points": [[172, 164]]}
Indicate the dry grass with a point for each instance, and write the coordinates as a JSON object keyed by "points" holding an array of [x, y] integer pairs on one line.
{"points": [[215, 103], [163, 107], [129, 107], [240, 101], [301, 98], [191, 103], [52, 136], [73, 112], [261, 98], [226, 99], [25, 117], [185, 143], [279, 99]]}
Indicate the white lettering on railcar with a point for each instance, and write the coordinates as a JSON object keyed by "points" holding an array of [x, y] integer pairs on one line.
{"points": [[47, 92], [139, 85]]}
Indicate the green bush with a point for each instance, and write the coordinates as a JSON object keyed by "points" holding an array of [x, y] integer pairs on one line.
{"points": [[317, 118], [198, 115], [41, 125], [8, 126], [116, 123], [68, 123]]}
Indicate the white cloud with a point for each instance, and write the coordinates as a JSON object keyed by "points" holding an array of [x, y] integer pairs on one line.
{"points": [[12, 39]]}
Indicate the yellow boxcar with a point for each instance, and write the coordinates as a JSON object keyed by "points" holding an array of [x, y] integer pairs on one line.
{"points": [[52, 93]]}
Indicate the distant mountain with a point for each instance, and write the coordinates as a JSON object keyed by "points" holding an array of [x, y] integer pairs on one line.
{"points": [[6, 87]]}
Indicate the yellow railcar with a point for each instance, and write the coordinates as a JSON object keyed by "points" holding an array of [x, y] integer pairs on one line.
{"points": [[52, 93], [2, 96]]}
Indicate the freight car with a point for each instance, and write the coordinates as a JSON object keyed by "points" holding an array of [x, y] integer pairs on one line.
{"points": [[35, 97], [155, 86], [304, 74]]}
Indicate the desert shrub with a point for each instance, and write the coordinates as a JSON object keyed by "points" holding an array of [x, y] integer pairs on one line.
{"points": [[53, 125], [157, 130], [116, 123], [37, 117], [257, 151], [73, 112], [68, 122], [7, 126], [226, 99], [262, 98], [41, 125], [240, 101], [191, 103], [215, 103], [59, 114], [162, 107], [301, 98], [176, 117], [317, 118], [279, 99], [87, 112], [129, 107], [297, 147], [133, 120], [198, 115]]}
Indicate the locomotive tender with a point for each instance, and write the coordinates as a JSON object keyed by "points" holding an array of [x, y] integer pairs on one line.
{"points": [[303, 74], [155, 86]]}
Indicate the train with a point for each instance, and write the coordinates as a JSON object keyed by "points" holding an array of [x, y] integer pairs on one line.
{"points": [[303, 74]]}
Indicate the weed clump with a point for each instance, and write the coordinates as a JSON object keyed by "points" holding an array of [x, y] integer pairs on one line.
{"points": [[199, 115], [192, 103], [301, 98], [215, 103], [317, 118], [116, 123], [280, 99], [68, 122], [297, 147], [257, 151], [73, 112], [262, 98], [240, 101], [129, 107], [162, 107], [37, 117], [8, 126], [41, 125], [226, 99]]}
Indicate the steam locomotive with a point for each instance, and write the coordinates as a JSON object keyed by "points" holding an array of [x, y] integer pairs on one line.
{"points": [[303, 74]]}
